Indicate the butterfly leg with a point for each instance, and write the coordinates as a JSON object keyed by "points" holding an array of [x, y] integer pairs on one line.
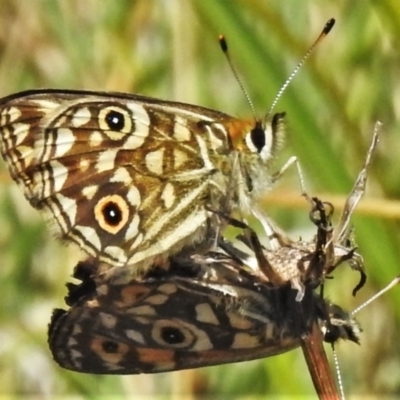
{"points": [[292, 160]]}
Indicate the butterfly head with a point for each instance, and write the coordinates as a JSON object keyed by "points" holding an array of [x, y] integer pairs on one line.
{"points": [[339, 325], [260, 138]]}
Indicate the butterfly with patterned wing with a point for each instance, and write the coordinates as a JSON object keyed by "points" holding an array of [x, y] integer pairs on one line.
{"points": [[199, 310], [131, 179]]}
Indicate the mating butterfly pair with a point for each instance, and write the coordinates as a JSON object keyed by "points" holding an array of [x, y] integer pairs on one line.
{"points": [[43, 141], [201, 309], [205, 309], [133, 181]]}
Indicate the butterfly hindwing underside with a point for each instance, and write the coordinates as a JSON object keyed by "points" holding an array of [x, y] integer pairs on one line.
{"points": [[184, 317], [169, 324]]}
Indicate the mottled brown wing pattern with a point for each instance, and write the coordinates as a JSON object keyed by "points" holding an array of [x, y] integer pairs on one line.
{"points": [[166, 324], [186, 317], [129, 178]]}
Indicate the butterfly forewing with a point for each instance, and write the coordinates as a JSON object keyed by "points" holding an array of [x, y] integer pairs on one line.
{"points": [[126, 177]]}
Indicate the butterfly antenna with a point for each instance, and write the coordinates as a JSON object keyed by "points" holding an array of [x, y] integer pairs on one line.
{"points": [[393, 283], [224, 47], [338, 373], [327, 28]]}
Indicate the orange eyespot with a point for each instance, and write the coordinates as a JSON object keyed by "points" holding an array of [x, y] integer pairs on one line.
{"points": [[112, 213]]}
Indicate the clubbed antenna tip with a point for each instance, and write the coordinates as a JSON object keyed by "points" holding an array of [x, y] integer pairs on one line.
{"points": [[327, 28]]}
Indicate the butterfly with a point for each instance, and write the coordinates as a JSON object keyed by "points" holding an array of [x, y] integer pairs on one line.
{"points": [[172, 322], [199, 310], [131, 178]]}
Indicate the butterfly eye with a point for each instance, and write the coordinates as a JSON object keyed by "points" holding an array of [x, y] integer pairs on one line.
{"points": [[112, 213], [115, 119], [256, 138], [260, 140], [265, 140]]}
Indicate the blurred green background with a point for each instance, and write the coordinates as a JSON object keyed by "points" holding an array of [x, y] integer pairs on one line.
{"points": [[169, 49]]}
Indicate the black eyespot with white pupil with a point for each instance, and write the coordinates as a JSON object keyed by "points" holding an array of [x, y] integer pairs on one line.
{"points": [[115, 120], [172, 335], [112, 213]]}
